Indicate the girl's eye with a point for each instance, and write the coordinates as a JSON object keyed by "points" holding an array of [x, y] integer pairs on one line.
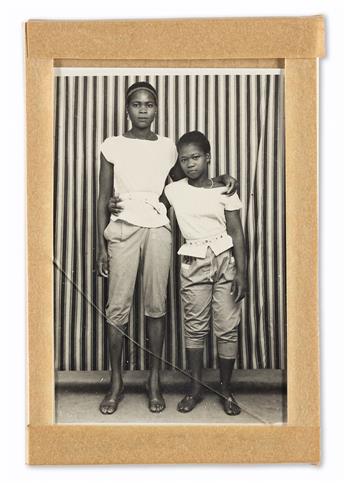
{"points": [[196, 157]]}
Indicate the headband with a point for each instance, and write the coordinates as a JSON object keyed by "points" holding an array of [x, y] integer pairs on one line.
{"points": [[142, 88]]}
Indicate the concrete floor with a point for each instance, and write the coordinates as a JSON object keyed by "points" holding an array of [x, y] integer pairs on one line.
{"points": [[261, 395]]}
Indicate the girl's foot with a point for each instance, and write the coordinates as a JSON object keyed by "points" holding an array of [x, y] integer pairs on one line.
{"points": [[189, 402], [155, 398], [111, 401], [231, 406]]}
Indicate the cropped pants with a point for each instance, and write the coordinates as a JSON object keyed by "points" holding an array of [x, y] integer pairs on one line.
{"points": [[206, 296], [130, 249]]}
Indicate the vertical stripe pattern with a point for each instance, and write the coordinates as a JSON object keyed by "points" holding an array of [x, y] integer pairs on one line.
{"points": [[242, 115]]}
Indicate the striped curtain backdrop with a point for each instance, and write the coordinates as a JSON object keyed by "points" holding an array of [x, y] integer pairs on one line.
{"points": [[242, 115]]}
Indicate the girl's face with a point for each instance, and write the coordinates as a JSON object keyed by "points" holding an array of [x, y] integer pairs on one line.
{"points": [[193, 160], [142, 109]]}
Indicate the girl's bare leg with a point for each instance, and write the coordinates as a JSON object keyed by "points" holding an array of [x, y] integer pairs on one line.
{"points": [[226, 367], [113, 397], [193, 396], [156, 333]]}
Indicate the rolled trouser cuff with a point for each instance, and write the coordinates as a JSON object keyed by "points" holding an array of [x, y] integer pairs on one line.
{"points": [[194, 343], [155, 315], [118, 322], [227, 349]]}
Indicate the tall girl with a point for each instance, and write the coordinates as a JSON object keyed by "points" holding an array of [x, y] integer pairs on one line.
{"points": [[136, 165]]}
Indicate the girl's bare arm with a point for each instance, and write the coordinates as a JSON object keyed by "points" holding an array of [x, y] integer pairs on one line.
{"points": [[176, 173], [234, 229], [106, 187]]}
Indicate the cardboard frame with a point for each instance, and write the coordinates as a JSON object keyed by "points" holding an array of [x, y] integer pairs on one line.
{"points": [[292, 43]]}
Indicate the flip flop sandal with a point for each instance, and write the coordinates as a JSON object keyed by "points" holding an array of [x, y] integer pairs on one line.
{"points": [[156, 405], [188, 403], [113, 404], [231, 407]]}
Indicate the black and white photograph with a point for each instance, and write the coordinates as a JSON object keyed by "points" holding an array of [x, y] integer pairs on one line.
{"points": [[169, 246]]}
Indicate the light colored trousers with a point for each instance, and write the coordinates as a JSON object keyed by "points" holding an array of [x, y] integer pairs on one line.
{"points": [[132, 248], [206, 295]]}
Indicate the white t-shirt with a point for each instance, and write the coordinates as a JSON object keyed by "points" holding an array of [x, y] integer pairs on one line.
{"points": [[140, 170], [200, 213]]}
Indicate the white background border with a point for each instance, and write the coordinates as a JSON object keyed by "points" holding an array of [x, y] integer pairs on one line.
{"points": [[12, 202]]}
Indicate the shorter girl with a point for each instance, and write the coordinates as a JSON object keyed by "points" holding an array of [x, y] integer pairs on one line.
{"points": [[213, 268]]}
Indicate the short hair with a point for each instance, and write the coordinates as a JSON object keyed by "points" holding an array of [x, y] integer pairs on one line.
{"points": [[195, 137], [138, 86]]}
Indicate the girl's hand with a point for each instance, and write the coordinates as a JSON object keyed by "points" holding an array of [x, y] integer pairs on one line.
{"points": [[102, 264], [239, 287], [115, 205], [231, 184]]}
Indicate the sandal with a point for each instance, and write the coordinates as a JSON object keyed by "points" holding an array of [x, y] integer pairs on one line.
{"points": [[111, 405], [231, 406], [156, 404], [188, 403]]}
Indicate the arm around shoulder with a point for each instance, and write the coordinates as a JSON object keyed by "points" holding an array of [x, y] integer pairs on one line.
{"points": [[229, 182]]}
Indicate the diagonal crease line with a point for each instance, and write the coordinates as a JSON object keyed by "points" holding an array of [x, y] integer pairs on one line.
{"points": [[85, 296]]}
